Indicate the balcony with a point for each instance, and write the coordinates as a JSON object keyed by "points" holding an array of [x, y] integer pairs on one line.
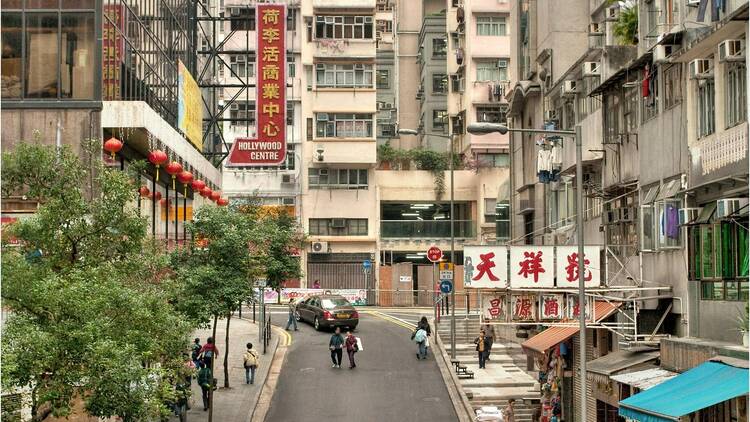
{"points": [[463, 229], [350, 48]]}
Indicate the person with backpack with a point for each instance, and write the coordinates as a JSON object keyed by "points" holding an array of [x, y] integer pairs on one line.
{"points": [[425, 325], [195, 351], [250, 360], [336, 344], [292, 315], [205, 380], [483, 346], [420, 337], [208, 352], [351, 348]]}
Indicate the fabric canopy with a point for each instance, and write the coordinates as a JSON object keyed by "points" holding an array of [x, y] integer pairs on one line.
{"points": [[703, 386]]}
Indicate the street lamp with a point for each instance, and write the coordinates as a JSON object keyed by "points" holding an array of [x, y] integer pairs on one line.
{"points": [[485, 128], [452, 223]]}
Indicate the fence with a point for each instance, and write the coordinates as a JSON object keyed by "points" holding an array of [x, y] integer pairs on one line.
{"points": [[467, 301]]}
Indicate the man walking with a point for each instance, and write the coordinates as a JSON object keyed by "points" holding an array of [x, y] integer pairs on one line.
{"points": [[195, 351], [489, 330], [483, 344], [205, 380], [209, 352], [337, 348], [292, 315], [250, 360]]}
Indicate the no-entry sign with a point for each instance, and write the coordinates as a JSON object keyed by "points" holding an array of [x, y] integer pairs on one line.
{"points": [[434, 254]]}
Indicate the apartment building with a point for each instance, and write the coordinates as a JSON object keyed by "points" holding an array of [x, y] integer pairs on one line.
{"points": [[664, 144]]}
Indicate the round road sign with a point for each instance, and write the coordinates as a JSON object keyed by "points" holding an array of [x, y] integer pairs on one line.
{"points": [[434, 254], [446, 286]]}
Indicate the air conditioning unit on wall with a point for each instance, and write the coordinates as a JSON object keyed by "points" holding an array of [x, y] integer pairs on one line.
{"points": [[591, 69], [569, 87], [662, 52], [732, 50], [700, 68], [319, 247]]}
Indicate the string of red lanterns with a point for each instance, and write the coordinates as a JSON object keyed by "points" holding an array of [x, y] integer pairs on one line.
{"points": [[157, 157], [113, 146], [173, 168]]}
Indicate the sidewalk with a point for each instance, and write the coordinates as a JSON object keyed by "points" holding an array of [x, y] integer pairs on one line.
{"points": [[235, 404]]}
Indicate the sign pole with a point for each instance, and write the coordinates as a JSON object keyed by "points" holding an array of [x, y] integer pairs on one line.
{"points": [[434, 289]]}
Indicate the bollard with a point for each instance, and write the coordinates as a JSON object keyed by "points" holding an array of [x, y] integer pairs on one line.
{"points": [[468, 305]]}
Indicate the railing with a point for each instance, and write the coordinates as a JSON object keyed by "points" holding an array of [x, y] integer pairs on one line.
{"points": [[467, 301], [427, 229]]}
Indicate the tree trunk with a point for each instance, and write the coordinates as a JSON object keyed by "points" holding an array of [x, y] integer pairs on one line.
{"points": [[226, 353], [213, 333]]}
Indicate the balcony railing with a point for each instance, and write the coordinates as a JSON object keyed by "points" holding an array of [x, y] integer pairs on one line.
{"points": [[463, 229]]}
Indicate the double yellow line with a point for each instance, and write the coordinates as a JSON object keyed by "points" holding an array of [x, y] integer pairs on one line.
{"points": [[285, 338], [391, 319]]}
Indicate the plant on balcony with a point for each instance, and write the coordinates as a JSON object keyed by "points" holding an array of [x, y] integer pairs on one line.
{"points": [[626, 26], [434, 162], [393, 157]]}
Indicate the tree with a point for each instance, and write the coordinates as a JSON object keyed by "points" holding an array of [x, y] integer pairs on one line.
{"points": [[281, 237], [626, 26], [89, 318]]}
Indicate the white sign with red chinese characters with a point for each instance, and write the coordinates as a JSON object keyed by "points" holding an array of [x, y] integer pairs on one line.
{"points": [[572, 310], [485, 267], [532, 266], [493, 307], [567, 266], [551, 307], [523, 307]]}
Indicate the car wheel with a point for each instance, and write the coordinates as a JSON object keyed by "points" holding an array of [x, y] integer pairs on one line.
{"points": [[316, 324]]}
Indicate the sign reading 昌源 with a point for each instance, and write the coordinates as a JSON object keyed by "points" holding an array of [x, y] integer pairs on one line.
{"points": [[270, 146]]}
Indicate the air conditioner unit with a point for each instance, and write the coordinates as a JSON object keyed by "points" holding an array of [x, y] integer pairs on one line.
{"points": [[288, 179], [595, 28], [288, 201], [319, 247], [591, 69], [700, 68], [730, 50], [569, 87], [388, 106], [322, 117], [338, 223], [502, 63], [359, 66], [234, 11], [613, 12], [693, 3], [688, 214], [662, 52], [727, 207], [323, 172]]}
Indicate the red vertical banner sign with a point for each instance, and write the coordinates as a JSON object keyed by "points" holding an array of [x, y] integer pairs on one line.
{"points": [[113, 49], [270, 146]]}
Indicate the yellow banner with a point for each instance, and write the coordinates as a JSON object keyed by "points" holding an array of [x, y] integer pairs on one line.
{"points": [[179, 213], [189, 107]]}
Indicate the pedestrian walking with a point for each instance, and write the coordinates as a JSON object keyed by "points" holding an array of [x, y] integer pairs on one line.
{"points": [[351, 348], [489, 330], [208, 352], [205, 380], [337, 348], [250, 361], [316, 284], [195, 351], [425, 325], [420, 337], [292, 315], [483, 344], [509, 411]]}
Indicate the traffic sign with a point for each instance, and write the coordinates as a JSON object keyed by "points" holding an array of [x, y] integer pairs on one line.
{"points": [[446, 275], [445, 266], [434, 254], [446, 286], [366, 264]]}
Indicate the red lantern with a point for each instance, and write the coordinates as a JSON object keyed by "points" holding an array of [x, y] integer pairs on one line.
{"points": [[157, 195], [185, 177], [206, 192], [174, 168], [113, 146], [144, 192], [198, 185], [215, 196], [164, 203], [157, 157], [222, 202]]}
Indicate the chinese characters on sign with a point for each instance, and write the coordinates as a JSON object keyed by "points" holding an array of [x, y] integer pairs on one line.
{"points": [[523, 307], [532, 266], [573, 310], [551, 306], [113, 46], [485, 266], [493, 307], [189, 106], [567, 266], [270, 147]]}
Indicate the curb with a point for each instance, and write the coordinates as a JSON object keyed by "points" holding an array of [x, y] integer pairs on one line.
{"points": [[461, 404]]}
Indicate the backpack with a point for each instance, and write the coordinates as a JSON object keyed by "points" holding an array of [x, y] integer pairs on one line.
{"points": [[420, 336], [250, 359]]}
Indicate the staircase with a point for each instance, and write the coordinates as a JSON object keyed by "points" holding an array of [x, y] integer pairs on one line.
{"points": [[505, 376]]}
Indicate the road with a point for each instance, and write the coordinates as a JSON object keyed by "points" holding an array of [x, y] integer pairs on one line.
{"points": [[389, 383]]}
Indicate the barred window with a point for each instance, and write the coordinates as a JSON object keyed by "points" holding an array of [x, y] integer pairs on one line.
{"points": [[338, 226], [735, 92], [343, 27], [706, 109], [325, 178], [328, 75], [491, 26], [344, 125]]}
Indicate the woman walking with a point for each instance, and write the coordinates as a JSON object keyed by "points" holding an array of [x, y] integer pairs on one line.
{"points": [[351, 348]]}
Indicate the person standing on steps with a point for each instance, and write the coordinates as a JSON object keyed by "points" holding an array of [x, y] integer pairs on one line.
{"points": [[292, 315], [251, 364], [489, 329], [351, 348], [336, 344], [509, 411], [483, 344]]}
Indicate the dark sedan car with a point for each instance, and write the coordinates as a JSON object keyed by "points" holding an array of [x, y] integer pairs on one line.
{"points": [[328, 311]]}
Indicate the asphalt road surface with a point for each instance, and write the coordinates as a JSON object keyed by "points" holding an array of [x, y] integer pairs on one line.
{"points": [[388, 384]]}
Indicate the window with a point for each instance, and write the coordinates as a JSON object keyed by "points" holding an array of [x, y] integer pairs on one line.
{"points": [[243, 19], [343, 27], [706, 111], [384, 6], [672, 86], [385, 26], [291, 19], [386, 130], [439, 47], [328, 75], [440, 120], [457, 83], [494, 71], [290, 114], [325, 178], [457, 123], [240, 66], [502, 220], [242, 113], [439, 83], [491, 25], [291, 66], [496, 160], [490, 212], [338, 226], [343, 125], [735, 92], [383, 81], [491, 114], [30, 60]]}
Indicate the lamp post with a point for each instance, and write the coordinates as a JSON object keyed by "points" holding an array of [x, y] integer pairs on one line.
{"points": [[453, 234], [485, 128]]}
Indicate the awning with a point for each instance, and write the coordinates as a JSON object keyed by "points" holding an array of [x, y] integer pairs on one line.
{"points": [[555, 335], [650, 195], [703, 386], [624, 73], [620, 360], [669, 189], [643, 380]]}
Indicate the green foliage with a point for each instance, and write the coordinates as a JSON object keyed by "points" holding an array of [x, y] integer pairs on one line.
{"points": [[282, 236], [89, 317], [435, 162], [626, 26]]}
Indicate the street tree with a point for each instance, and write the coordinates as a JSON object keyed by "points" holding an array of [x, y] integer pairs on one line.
{"points": [[89, 318]]}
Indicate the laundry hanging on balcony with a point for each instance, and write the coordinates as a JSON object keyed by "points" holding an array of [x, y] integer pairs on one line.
{"points": [[549, 160]]}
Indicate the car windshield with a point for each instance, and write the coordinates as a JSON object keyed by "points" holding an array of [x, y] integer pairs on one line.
{"points": [[329, 303]]}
